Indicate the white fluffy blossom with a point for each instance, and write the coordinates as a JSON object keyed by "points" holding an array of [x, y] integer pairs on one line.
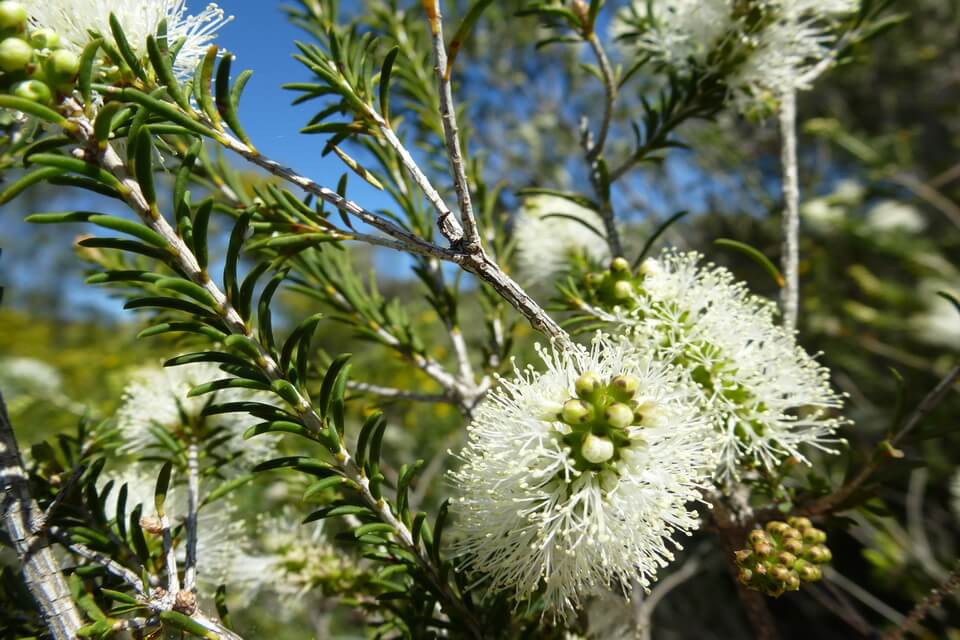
{"points": [[939, 323], [891, 216], [156, 398], [291, 559], [546, 236], [765, 48], [73, 20], [535, 517], [765, 395]]}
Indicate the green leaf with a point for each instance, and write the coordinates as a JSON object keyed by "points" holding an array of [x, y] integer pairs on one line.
{"points": [[85, 77], [34, 109], [373, 528], [264, 315], [754, 255], [124, 48], [226, 105], [166, 110], [305, 328], [189, 289], [184, 327], [385, 72], [327, 386], [187, 624], [163, 485], [173, 304], [202, 86], [75, 165], [277, 426], [226, 488], [460, 36], [656, 235], [122, 244], [143, 166], [322, 485], [164, 70], [336, 511], [233, 256], [104, 123], [118, 596], [227, 383], [201, 223], [373, 423], [26, 181]]}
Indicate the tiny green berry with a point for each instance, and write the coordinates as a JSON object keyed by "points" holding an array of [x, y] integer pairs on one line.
{"points": [[619, 265], [619, 415], [15, 54], [587, 384], [63, 65], [12, 15], [44, 39], [33, 90], [626, 386], [597, 450], [622, 290], [575, 412]]}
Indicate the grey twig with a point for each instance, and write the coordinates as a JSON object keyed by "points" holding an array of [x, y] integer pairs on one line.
{"points": [[790, 295], [925, 606], [21, 516], [112, 566], [451, 134], [663, 587], [193, 504], [397, 394]]}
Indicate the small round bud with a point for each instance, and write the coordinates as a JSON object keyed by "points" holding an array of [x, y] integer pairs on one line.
{"points": [[809, 573], [819, 554], [619, 415], [12, 15], [793, 582], [622, 290], [776, 527], [800, 523], [790, 533], [63, 65], [597, 450], [185, 602], [619, 265], [593, 279], [793, 545], [786, 558], [760, 569], [15, 54], [575, 412], [151, 524], [587, 384], [779, 573], [44, 39], [33, 90], [757, 536], [814, 536], [742, 555], [744, 575], [764, 549], [650, 267], [625, 386]]}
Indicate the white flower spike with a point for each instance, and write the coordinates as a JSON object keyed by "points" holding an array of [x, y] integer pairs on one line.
{"points": [[765, 395], [548, 233], [73, 20], [561, 495]]}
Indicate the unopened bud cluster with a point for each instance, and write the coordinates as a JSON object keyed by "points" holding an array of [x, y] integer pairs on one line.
{"points": [[618, 285], [600, 417], [32, 64], [782, 556]]}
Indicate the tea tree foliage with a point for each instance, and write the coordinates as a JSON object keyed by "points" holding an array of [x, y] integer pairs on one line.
{"points": [[673, 418]]}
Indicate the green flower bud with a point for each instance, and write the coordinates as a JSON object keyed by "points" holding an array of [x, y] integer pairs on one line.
{"points": [[619, 265], [819, 554], [625, 387], [619, 415], [789, 532], [63, 65], [622, 290], [742, 556], [12, 15], [786, 558], [780, 573], [597, 450], [587, 384], [593, 278], [44, 39], [15, 54], [575, 412], [793, 582], [33, 90], [800, 523], [744, 576], [814, 536], [757, 536], [793, 545], [776, 527], [764, 549], [808, 572]]}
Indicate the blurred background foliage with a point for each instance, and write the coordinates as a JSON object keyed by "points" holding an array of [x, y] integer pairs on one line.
{"points": [[880, 171]]}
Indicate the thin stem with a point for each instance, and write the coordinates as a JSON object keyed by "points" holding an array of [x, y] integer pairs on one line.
{"points": [[928, 604], [397, 394], [187, 263], [193, 503], [451, 134], [861, 594], [112, 566], [170, 557], [610, 96], [21, 516], [790, 295]]}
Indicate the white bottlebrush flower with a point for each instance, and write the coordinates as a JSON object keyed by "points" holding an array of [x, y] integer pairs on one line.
{"points": [[578, 477], [822, 214], [25, 381], [73, 20], [766, 396], [157, 398], [548, 234], [291, 559], [891, 216], [939, 323], [765, 48]]}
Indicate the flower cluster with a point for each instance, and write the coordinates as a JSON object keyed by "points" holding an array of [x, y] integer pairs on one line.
{"points": [[32, 63], [550, 230], [75, 20], [157, 404], [782, 556], [763, 393], [578, 477], [764, 49]]}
